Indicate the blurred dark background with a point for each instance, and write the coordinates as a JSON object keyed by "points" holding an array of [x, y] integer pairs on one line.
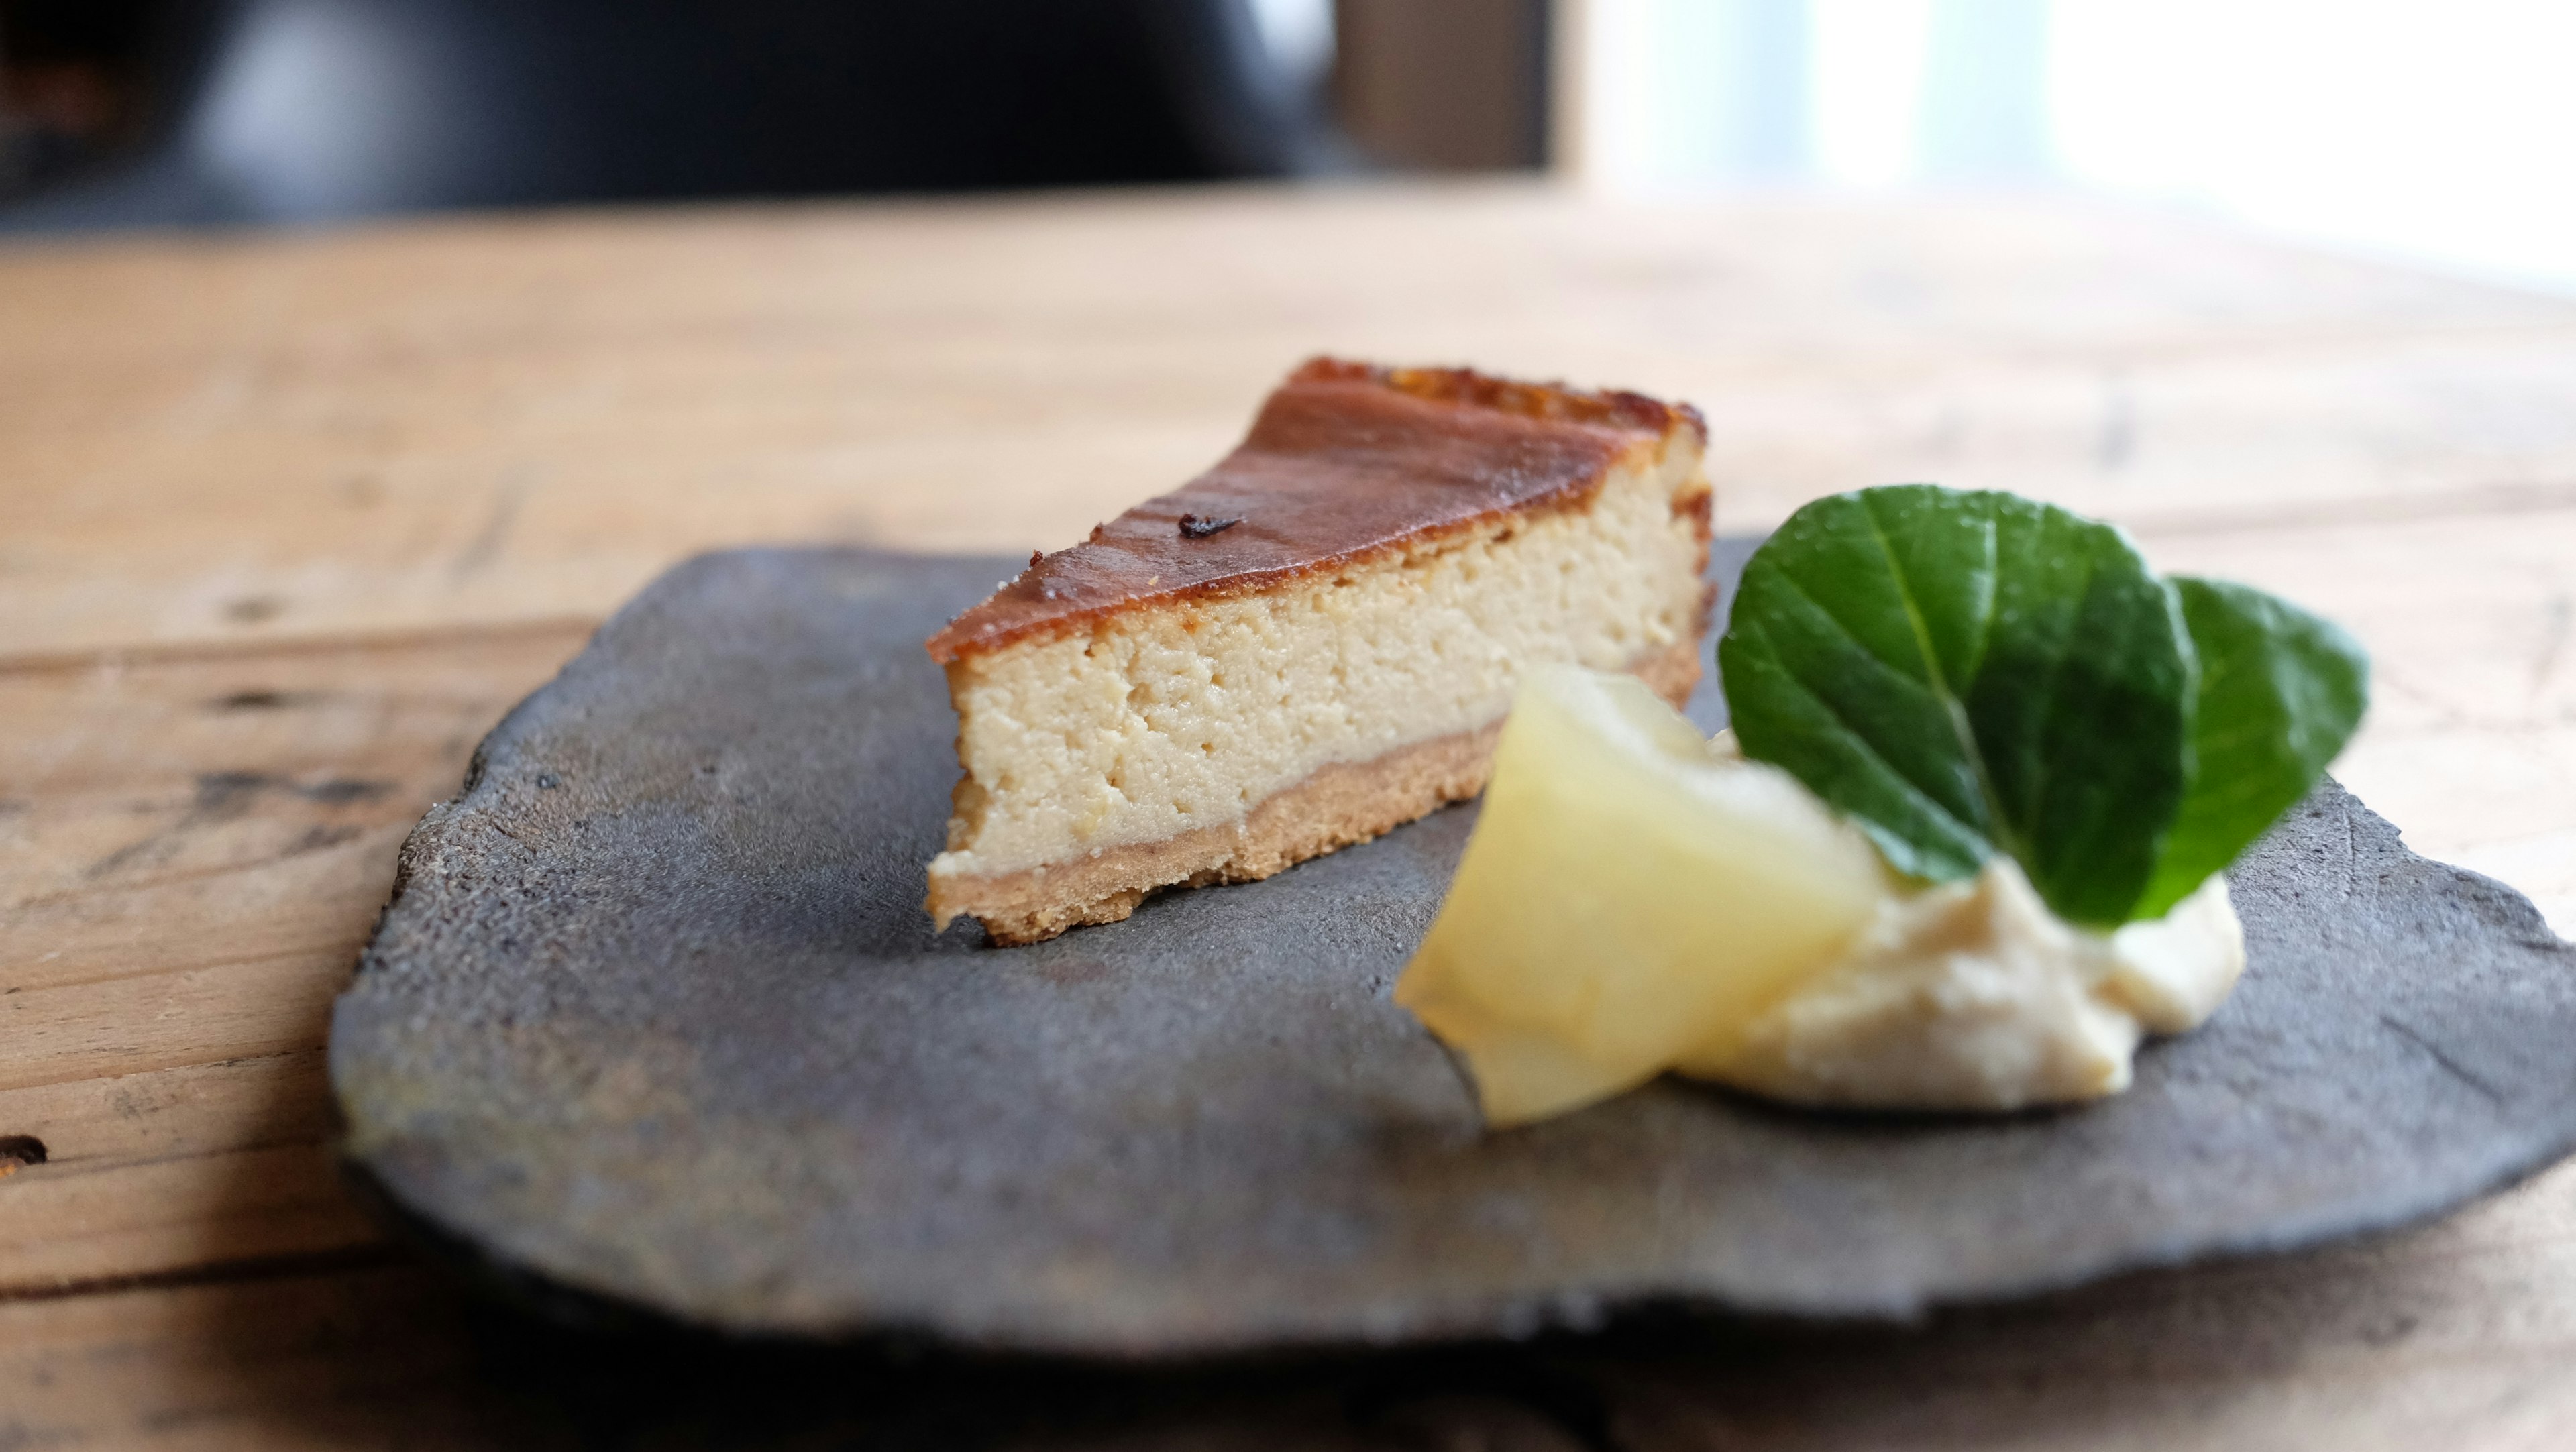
{"points": [[2427, 133], [117, 113]]}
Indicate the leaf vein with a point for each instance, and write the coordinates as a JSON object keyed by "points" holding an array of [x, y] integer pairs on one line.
{"points": [[1928, 804]]}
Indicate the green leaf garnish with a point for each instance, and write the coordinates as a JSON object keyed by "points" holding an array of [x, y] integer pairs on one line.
{"points": [[2280, 693], [1964, 674]]}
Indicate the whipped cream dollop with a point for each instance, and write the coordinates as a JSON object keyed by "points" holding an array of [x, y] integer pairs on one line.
{"points": [[1973, 995]]}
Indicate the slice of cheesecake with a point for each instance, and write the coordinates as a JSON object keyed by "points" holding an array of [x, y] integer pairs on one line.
{"points": [[1313, 642]]}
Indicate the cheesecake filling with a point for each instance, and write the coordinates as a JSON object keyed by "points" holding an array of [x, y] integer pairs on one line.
{"points": [[1170, 719]]}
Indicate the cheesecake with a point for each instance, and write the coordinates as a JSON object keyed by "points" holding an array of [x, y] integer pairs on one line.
{"points": [[1313, 642]]}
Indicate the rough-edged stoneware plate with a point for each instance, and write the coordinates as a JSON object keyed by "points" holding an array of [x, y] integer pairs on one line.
{"points": [[655, 1015]]}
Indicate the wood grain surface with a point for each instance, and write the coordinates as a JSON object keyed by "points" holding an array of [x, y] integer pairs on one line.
{"points": [[286, 522]]}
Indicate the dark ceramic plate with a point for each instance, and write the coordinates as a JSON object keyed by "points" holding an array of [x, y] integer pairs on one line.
{"points": [[655, 1016]]}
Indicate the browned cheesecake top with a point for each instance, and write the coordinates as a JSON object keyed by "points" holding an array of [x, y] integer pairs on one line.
{"points": [[1345, 460]]}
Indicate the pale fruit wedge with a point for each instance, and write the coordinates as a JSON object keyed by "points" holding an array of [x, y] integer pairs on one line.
{"points": [[1631, 894]]}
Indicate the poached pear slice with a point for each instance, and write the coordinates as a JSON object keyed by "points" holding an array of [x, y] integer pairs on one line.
{"points": [[1633, 893]]}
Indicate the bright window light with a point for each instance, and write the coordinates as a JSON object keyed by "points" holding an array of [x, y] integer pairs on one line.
{"points": [[2436, 133], [1868, 67]]}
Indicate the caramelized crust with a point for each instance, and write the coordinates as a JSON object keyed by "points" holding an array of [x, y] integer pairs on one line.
{"points": [[1347, 461]]}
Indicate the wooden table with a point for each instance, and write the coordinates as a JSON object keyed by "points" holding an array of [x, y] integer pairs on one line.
{"points": [[287, 522]]}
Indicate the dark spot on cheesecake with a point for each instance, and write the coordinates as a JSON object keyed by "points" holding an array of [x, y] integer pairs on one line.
{"points": [[1200, 526], [1036, 558]]}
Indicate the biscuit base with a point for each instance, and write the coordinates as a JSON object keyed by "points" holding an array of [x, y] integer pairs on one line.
{"points": [[1340, 805]]}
